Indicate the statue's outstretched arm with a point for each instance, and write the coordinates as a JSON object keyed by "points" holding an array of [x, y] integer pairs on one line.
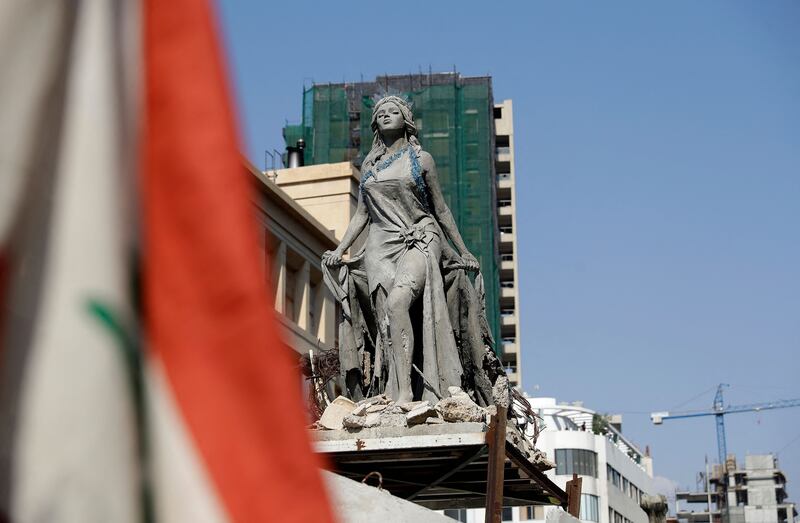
{"points": [[442, 211], [357, 224]]}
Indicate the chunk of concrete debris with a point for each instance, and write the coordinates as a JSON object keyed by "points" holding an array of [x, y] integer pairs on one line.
{"points": [[374, 400], [411, 405], [354, 422], [376, 408], [459, 407], [434, 421], [372, 420], [457, 392], [334, 414], [360, 410], [501, 391], [393, 420], [421, 414]]}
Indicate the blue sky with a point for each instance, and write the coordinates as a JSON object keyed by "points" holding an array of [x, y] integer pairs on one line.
{"points": [[658, 159]]}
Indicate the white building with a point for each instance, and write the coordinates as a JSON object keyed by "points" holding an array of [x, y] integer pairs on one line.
{"points": [[615, 472]]}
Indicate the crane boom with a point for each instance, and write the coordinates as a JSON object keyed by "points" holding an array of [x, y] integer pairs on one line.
{"points": [[718, 411], [730, 409]]}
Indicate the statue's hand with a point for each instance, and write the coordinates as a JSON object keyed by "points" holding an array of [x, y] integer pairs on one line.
{"points": [[332, 258], [470, 262]]}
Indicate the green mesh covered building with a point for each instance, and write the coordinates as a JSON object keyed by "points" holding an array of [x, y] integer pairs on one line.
{"points": [[454, 116]]}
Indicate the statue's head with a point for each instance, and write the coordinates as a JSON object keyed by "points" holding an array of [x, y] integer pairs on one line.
{"points": [[390, 113], [393, 112]]}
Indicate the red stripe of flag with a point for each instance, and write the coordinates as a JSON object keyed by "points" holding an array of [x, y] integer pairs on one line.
{"points": [[207, 312]]}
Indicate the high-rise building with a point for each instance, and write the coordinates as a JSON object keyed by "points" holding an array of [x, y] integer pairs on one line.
{"points": [[456, 118], [506, 217]]}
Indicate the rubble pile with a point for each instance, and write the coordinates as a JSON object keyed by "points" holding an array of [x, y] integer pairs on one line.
{"points": [[382, 411]]}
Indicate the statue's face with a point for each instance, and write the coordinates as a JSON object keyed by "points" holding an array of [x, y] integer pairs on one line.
{"points": [[389, 117]]}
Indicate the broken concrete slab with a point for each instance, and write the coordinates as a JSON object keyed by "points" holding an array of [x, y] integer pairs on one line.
{"points": [[376, 408], [411, 405], [334, 414], [421, 413]]}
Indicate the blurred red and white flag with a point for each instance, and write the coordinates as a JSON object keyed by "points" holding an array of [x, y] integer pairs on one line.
{"points": [[117, 138]]}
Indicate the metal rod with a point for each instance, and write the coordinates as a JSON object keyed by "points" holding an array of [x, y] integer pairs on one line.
{"points": [[426, 382]]}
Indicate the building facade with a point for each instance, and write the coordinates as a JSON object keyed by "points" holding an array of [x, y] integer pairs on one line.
{"points": [[292, 243], [471, 140], [755, 493], [615, 473], [329, 192], [510, 341]]}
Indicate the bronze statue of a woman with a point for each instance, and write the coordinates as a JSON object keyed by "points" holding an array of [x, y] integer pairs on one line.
{"points": [[413, 322]]}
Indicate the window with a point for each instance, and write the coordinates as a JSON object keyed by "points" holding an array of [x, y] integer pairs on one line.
{"points": [[635, 493], [576, 461], [589, 508], [498, 113], [508, 514], [534, 512], [614, 477], [459, 514]]}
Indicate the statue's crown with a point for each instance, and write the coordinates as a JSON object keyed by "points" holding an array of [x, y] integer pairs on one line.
{"points": [[392, 93]]}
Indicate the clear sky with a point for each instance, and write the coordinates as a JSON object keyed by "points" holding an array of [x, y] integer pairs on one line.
{"points": [[658, 187]]}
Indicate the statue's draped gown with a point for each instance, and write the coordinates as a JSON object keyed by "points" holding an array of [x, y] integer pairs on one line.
{"points": [[401, 221]]}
